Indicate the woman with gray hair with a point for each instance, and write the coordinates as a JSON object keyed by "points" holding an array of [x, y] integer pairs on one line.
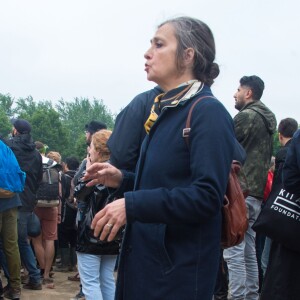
{"points": [[172, 239]]}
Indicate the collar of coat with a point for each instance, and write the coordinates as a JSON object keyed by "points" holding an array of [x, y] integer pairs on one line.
{"points": [[170, 99]]}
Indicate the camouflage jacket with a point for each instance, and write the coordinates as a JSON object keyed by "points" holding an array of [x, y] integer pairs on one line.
{"points": [[254, 126]]}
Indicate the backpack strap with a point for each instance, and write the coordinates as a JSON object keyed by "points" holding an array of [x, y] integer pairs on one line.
{"points": [[186, 131], [67, 186]]}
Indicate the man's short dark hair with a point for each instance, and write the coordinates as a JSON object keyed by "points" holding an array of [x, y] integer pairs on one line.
{"points": [[287, 127], [95, 126], [72, 163], [256, 85]]}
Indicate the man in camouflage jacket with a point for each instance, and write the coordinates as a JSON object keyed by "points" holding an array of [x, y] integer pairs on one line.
{"points": [[255, 125]]}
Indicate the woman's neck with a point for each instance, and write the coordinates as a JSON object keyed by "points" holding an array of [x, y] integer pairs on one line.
{"points": [[177, 83]]}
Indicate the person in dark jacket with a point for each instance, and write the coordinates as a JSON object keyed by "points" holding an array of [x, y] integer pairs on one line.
{"points": [[67, 229], [171, 243], [291, 168], [30, 162], [282, 276], [96, 260]]}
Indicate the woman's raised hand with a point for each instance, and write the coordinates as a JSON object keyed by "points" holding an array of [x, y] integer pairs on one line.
{"points": [[103, 173]]}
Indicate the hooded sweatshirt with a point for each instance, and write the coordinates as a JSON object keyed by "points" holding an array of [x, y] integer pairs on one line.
{"points": [[255, 125], [30, 162]]}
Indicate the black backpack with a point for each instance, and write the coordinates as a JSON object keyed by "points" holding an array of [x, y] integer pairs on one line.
{"points": [[48, 192]]}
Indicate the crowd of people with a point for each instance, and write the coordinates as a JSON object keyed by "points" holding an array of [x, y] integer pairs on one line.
{"points": [[146, 204]]}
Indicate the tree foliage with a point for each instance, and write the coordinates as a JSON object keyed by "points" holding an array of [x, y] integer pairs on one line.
{"points": [[6, 112], [276, 144], [61, 127], [76, 114]]}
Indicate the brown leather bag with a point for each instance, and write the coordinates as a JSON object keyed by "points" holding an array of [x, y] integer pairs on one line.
{"points": [[234, 211]]}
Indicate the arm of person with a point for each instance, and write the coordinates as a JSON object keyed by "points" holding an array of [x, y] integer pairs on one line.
{"points": [[129, 132], [110, 176], [243, 122], [211, 150], [291, 168]]}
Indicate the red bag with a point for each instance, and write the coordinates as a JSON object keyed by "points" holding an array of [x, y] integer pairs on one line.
{"points": [[234, 211]]}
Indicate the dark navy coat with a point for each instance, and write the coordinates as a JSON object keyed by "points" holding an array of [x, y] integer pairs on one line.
{"points": [[172, 239], [291, 168], [128, 134]]}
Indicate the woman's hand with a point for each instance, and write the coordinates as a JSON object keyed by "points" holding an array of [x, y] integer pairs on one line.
{"points": [[103, 173], [109, 220]]}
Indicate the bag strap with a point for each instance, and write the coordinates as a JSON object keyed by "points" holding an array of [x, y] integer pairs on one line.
{"points": [[186, 131]]}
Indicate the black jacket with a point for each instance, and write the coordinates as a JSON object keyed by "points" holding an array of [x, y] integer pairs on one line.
{"points": [[291, 168], [279, 162], [30, 162], [91, 200], [129, 132]]}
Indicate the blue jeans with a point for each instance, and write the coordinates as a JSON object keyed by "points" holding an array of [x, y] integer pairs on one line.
{"points": [[97, 275], [26, 252], [241, 260]]}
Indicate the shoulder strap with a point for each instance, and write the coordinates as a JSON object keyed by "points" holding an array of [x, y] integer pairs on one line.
{"points": [[60, 189], [48, 164], [186, 131]]}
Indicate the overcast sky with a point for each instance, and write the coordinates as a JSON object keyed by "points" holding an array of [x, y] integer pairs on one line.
{"points": [[68, 48]]}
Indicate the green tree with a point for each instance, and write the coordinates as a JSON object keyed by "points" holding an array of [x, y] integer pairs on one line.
{"points": [[80, 147], [6, 112], [6, 104], [276, 144], [5, 127], [75, 115], [46, 124], [47, 128], [61, 127]]}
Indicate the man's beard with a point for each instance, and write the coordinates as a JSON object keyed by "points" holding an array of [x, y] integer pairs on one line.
{"points": [[239, 105]]}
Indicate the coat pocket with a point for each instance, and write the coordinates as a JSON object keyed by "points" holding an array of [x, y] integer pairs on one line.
{"points": [[166, 262]]}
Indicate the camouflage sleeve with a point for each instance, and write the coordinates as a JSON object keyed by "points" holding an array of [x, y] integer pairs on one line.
{"points": [[243, 123]]}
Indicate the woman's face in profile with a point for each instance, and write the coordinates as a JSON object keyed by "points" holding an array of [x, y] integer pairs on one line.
{"points": [[94, 155], [161, 57]]}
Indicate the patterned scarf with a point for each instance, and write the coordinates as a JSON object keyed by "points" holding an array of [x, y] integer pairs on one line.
{"points": [[171, 99]]}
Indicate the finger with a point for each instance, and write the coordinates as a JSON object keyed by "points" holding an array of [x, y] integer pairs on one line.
{"points": [[91, 171], [90, 176], [108, 227], [97, 218], [95, 167], [91, 182], [99, 227], [98, 223], [113, 232]]}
